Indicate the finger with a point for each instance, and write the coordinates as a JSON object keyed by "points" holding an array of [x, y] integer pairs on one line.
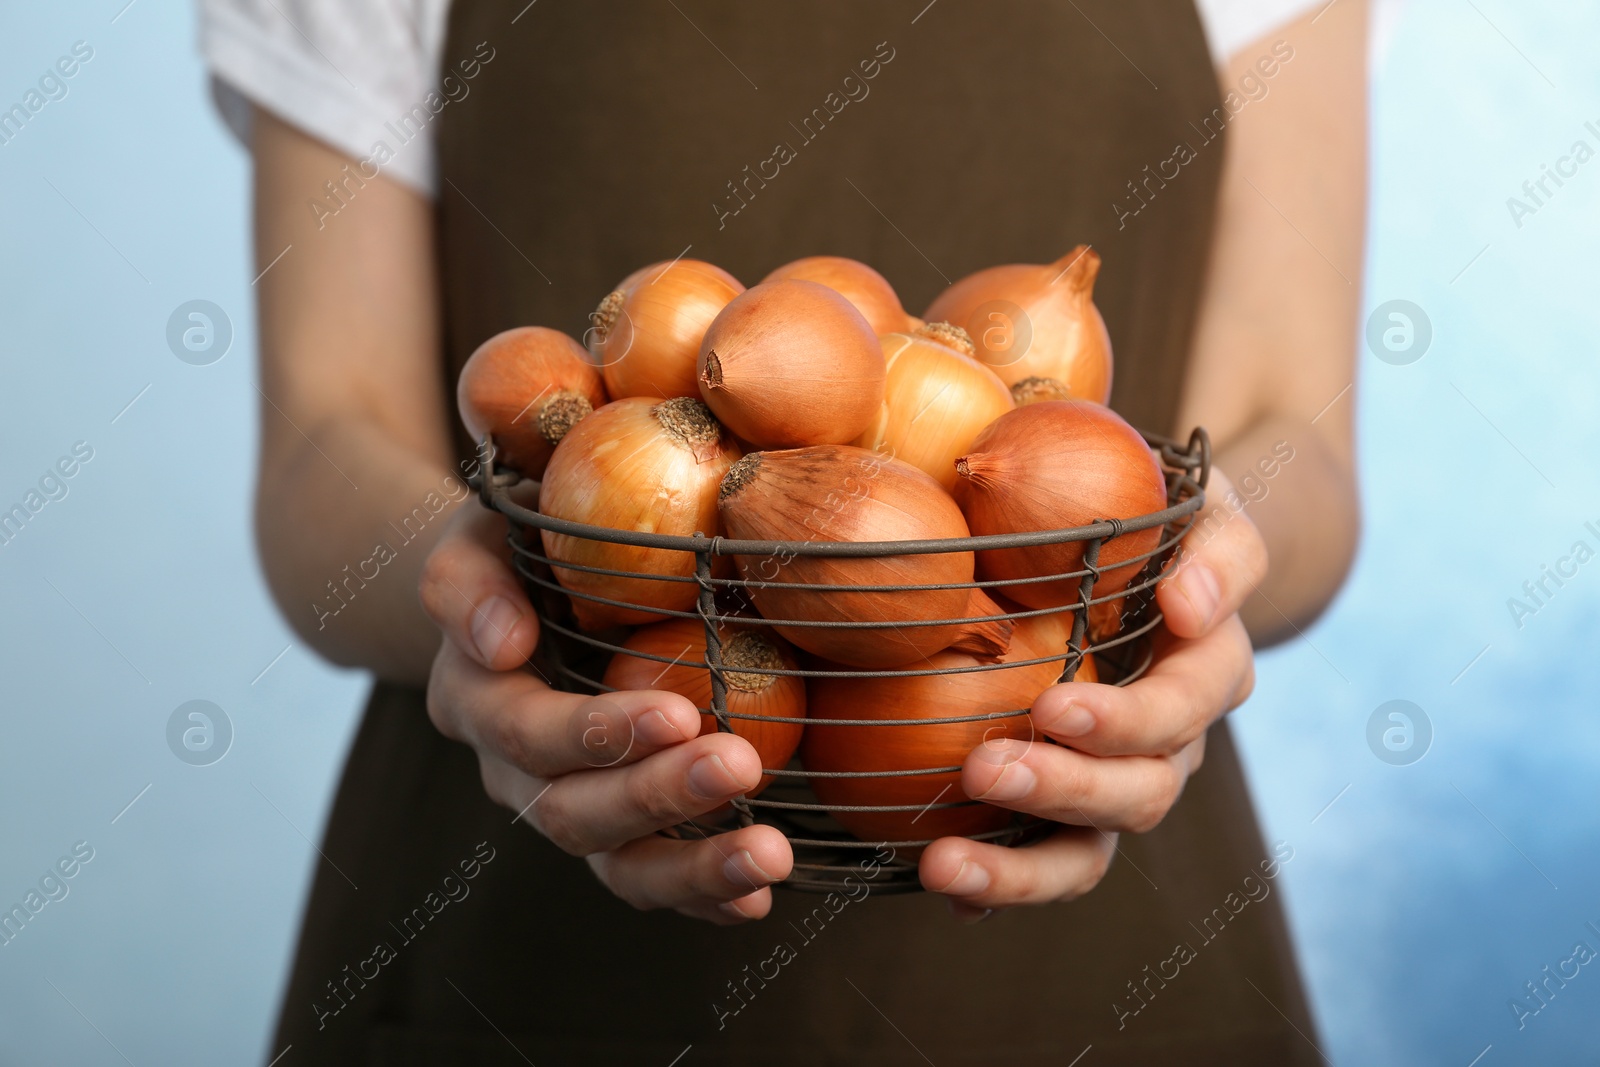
{"points": [[1132, 793], [1189, 686], [542, 732], [470, 591], [599, 810], [980, 877], [723, 878], [1222, 562]]}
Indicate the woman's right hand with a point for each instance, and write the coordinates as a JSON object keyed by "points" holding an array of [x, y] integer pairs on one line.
{"points": [[597, 775]]}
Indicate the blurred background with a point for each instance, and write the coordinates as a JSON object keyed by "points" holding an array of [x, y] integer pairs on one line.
{"points": [[1443, 859]]}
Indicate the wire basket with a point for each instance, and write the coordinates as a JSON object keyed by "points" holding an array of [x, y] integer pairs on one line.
{"points": [[825, 854]]}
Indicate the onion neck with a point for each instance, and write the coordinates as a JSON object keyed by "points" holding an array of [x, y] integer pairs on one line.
{"points": [[1078, 270], [711, 377]]}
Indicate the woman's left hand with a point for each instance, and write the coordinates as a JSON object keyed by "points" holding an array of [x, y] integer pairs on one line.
{"points": [[1124, 754]]}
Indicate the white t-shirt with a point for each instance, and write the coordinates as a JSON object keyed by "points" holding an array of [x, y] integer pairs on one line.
{"points": [[345, 71]]}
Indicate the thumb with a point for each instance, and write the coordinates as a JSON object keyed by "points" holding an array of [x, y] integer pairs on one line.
{"points": [[1223, 560], [470, 591]]}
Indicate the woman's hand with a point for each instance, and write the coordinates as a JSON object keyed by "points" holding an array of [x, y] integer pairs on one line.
{"points": [[1123, 754], [596, 775]]}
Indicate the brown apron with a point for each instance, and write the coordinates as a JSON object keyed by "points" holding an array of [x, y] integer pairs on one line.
{"points": [[928, 140]]}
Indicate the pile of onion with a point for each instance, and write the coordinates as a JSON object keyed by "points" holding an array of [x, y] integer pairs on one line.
{"points": [[646, 333], [1036, 326], [863, 423], [865, 288], [682, 644], [527, 388], [926, 746], [637, 465], [842, 493], [1051, 465], [792, 363], [936, 400]]}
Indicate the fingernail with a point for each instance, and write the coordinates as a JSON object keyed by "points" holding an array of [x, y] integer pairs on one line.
{"points": [[654, 728], [710, 778], [1199, 586], [970, 880], [731, 909], [741, 868], [1015, 782], [492, 624], [1074, 721]]}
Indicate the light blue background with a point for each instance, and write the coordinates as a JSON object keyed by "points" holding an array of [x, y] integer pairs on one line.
{"points": [[1423, 897]]}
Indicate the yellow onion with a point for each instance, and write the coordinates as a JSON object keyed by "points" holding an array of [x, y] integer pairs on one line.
{"points": [[842, 493], [646, 333], [526, 388], [1036, 321], [647, 466], [683, 642], [1048, 466], [936, 399], [792, 363], [903, 748], [858, 283]]}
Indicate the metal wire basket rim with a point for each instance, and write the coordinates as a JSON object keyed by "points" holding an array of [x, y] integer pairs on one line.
{"points": [[727, 546], [494, 488], [526, 552]]}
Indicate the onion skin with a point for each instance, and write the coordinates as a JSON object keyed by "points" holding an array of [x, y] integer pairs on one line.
{"points": [[843, 493], [527, 387], [641, 465], [792, 363], [867, 290], [646, 333], [1067, 337], [895, 748], [780, 696], [1051, 465], [936, 401]]}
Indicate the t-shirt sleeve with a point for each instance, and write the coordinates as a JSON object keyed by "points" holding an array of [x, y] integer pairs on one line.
{"points": [[348, 72], [1232, 24]]}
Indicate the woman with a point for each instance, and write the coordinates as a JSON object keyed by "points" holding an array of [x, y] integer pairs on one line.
{"points": [[578, 142]]}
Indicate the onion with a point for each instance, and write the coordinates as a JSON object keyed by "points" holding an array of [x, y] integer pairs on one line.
{"points": [[792, 363], [683, 641], [900, 748], [936, 400], [647, 332], [843, 493], [858, 283], [1051, 465], [527, 387], [1034, 321], [650, 466]]}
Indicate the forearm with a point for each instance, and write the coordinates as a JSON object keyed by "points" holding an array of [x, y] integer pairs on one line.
{"points": [[354, 480], [1294, 486], [1274, 353], [344, 518]]}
